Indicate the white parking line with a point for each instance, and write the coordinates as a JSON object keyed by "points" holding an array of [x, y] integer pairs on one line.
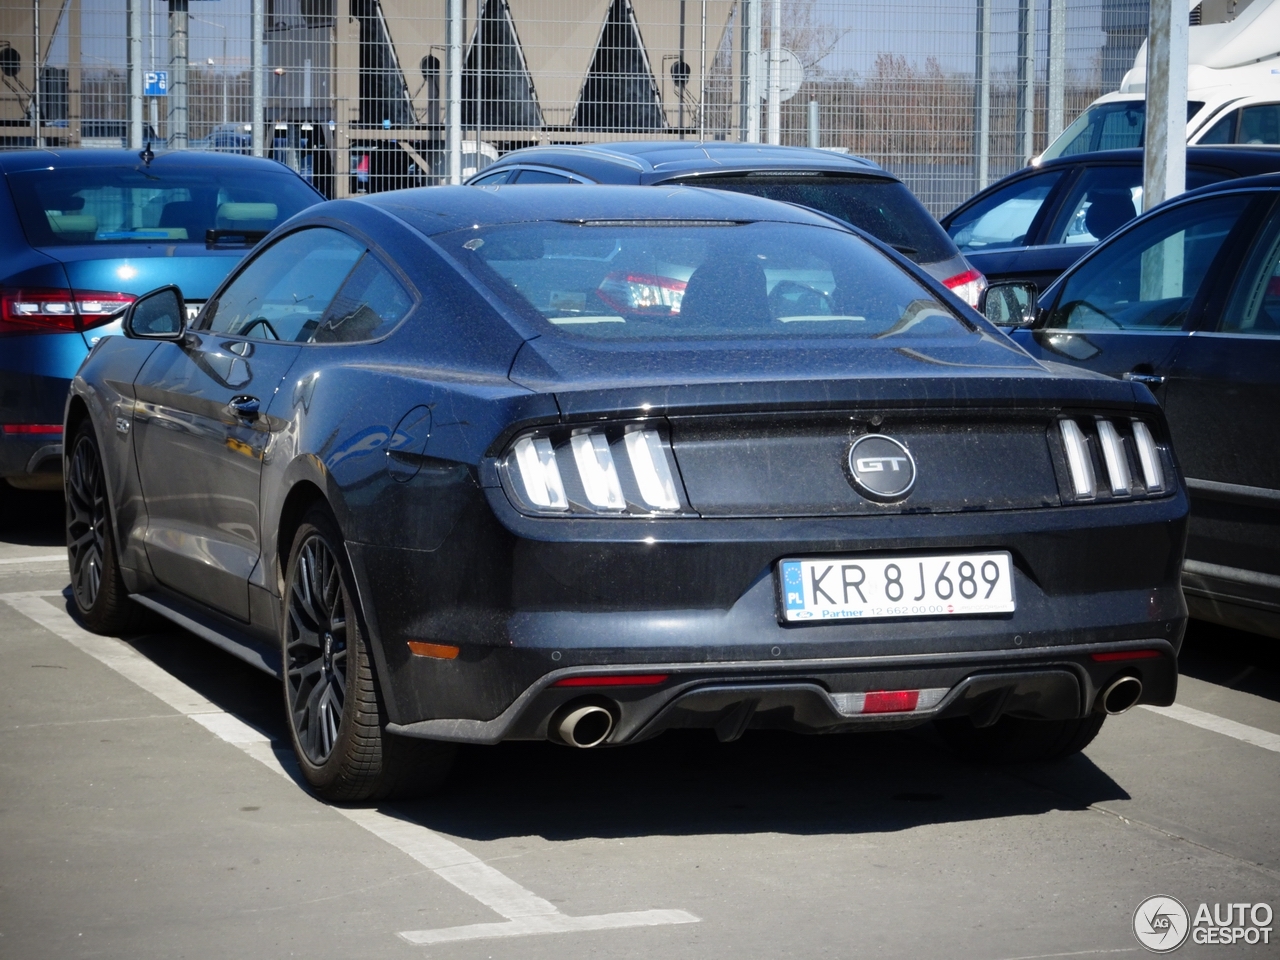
{"points": [[524, 911], [39, 558], [1210, 721]]}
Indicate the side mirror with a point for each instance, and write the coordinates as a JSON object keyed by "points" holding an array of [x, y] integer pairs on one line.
{"points": [[158, 315], [1010, 304]]}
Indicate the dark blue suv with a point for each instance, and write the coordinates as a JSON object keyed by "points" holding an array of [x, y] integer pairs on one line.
{"points": [[81, 234]]}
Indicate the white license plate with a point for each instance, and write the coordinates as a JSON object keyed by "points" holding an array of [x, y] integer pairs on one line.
{"points": [[867, 588]]}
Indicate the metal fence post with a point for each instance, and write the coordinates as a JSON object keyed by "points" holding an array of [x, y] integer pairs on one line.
{"points": [[257, 67], [982, 95], [1057, 67], [134, 70], [751, 99], [1164, 159], [1026, 79], [35, 73], [815, 140], [454, 111], [775, 72]]}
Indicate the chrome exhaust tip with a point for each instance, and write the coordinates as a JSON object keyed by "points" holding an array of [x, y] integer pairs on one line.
{"points": [[1120, 696], [584, 725]]}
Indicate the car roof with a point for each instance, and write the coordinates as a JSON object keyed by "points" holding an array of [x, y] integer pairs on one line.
{"points": [[16, 161], [1244, 159], [1264, 180], [648, 161], [433, 210]]}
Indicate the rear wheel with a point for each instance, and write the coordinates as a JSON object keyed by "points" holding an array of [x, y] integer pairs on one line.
{"points": [[333, 700], [1018, 739], [96, 585]]}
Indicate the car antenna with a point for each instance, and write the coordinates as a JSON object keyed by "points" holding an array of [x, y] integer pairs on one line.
{"points": [[146, 155]]}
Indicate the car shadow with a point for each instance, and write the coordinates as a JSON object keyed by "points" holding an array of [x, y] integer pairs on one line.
{"points": [[684, 782], [1243, 661], [31, 518]]}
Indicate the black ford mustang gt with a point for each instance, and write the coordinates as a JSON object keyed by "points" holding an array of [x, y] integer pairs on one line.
{"points": [[471, 465]]}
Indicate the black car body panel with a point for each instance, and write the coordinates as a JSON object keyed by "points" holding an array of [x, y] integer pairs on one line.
{"points": [[406, 438], [1219, 386], [1040, 257]]}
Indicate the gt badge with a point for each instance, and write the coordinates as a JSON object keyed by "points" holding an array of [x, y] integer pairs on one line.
{"points": [[881, 468]]}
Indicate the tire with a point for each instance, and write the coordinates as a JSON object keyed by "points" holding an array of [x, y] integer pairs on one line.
{"points": [[333, 701], [1019, 740], [97, 588]]}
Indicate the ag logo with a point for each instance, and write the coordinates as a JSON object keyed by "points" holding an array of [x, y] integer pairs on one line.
{"points": [[1161, 924], [881, 468]]}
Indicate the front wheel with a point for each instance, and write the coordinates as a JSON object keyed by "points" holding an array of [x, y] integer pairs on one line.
{"points": [[1019, 739], [333, 700]]}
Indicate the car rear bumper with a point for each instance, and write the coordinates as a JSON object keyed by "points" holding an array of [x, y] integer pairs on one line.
{"points": [[812, 696], [701, 605]]}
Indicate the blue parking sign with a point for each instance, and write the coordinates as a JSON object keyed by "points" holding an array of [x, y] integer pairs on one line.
{"points": [[157, 83]]}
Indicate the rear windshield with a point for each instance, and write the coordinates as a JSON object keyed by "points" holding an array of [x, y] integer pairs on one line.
{"points": [[680, 279], [884, 208], [78, 205]]}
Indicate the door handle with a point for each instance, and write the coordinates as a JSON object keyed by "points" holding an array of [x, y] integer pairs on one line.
{"points": [[244, 406], [1150, 379]]}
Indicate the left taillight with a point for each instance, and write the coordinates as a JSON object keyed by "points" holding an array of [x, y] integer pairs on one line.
{"points": [[968, 286], [623, 469], [37, 310]]}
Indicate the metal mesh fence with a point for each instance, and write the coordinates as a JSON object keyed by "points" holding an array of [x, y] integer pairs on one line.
{"points": [[356, 94]]}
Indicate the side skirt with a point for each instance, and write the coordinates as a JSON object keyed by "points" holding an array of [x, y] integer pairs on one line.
{"points": [[238, 643]]}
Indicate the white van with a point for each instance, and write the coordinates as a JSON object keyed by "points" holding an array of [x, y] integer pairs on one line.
{"points": [[1233, 91]]}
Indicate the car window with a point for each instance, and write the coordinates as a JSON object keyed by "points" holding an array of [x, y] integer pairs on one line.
{"points": [[1108, 126], [542, 176], [493, 179], [1148, 278], [1254, 307], [1224, 131], [162, 203], [370, 303], [1260, 124], [886, 209], [285, 290], [1105, 198], [1003, 218], [675, 280]]}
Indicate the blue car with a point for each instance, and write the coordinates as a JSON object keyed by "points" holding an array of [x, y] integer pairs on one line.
{"points": [[82, 233]]}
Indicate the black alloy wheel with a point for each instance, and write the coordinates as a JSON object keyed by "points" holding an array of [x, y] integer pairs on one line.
{"points": [[333, 700], [96, 585], [316, 648], [86, 521]]}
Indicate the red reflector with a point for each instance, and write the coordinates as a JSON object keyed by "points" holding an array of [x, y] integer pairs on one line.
{"points": [[41, 428], [1125, 655], [627, 680], [891, 701]]}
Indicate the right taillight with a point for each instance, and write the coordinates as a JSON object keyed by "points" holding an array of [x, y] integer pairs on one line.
{"points": [[1108, 459], [622, 469], [40, 310]]}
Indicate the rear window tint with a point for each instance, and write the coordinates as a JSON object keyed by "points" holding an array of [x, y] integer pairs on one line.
{"points": [[634, 281], [884, 208], [156, 204]]}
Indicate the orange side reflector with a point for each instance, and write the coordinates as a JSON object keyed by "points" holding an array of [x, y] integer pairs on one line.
{"points": [[440, 651]]}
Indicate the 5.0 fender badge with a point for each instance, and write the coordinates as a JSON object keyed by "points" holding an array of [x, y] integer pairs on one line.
{"points": [[881, 468]]}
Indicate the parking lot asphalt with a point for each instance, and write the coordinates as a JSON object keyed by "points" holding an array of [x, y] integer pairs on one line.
{"points": [[148, 809]]}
